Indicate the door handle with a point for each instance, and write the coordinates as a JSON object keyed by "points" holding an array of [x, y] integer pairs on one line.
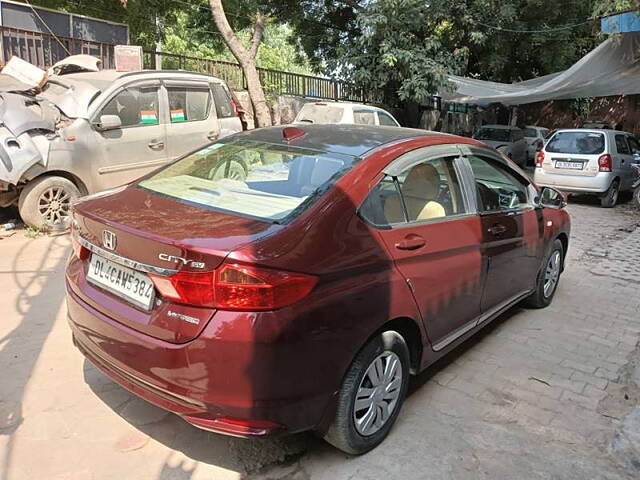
{"points": [[497, 229], [411, 242], [212, 135], [156, 144]]}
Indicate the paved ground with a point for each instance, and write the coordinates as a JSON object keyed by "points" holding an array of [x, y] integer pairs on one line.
{"points": [[539, 394]]}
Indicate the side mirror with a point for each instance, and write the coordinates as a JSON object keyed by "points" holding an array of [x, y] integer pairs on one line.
{"points": [[108, 122], [552, 198]]}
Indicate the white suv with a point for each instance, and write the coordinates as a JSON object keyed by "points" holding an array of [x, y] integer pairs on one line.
{"points": [[338, 112], [589, 161]]}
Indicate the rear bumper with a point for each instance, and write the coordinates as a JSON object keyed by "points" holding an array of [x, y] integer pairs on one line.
{"points": [[598, 184], [223, 381]]}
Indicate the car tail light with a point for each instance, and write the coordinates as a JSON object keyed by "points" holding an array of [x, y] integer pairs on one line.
{"points": [[605, 163], [235, 287], [80, 251], [251, 288], [186, 287], [539, 159], [238, 110], [539, 145]]}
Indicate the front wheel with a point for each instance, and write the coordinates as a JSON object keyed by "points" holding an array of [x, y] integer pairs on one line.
{"points": [[371, 395], [548, 278], [45, 203]]}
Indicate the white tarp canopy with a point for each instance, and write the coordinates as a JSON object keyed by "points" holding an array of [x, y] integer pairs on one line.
{"points": [[613, 68]]}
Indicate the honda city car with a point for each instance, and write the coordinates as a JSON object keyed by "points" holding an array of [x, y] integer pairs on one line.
{"points": [[304, 295]]}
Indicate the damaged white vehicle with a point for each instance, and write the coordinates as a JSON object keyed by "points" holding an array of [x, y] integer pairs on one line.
{"points": [[85, 132]]}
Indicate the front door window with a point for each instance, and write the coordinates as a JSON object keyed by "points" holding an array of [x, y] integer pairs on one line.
{"points": [[136, 106]]}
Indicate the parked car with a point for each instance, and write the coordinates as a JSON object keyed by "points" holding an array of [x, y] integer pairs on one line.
{"points": [[506, 139], [535, 137], [304, 296], [339, 112], [89, 131], [599, 124], [589, 161]]}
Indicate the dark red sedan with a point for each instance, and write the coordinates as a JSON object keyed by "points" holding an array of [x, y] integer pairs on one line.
{"points": [[302, 294]]}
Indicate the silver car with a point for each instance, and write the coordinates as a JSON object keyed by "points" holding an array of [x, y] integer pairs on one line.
{"points": [[589, 161], [535, 137], [506, 139], [89, 131]]}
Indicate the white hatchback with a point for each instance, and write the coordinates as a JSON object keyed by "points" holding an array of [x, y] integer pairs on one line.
{"points": [[589, 161], [338, 112]]}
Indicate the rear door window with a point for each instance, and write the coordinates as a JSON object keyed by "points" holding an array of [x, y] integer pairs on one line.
{"points": [[222, 100], [386, 120], [269, 182], [621, 145], [189, 104], [584, 143], [364, 117]]}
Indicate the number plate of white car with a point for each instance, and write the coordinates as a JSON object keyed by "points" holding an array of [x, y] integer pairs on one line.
{"points": [[135, 287], [570, 165]]}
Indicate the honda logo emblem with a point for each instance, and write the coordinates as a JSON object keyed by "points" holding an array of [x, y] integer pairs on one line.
{"points": [[109, 240]]}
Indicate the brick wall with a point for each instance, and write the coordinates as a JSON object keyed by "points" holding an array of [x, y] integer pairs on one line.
{"points": [[622, 110]]}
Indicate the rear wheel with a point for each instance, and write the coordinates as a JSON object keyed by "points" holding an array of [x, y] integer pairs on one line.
{"points": [[548, 278], [636, 197], [610, 198], [45, 203], [371, 395]]}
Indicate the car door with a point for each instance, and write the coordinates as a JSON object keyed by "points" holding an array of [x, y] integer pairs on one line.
{"points": [[433, 238], [192, 120], [139, 145], [512, 228]]}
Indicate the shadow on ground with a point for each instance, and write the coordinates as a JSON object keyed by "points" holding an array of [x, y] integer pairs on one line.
{"points": [[36, 304], [245, 456]]}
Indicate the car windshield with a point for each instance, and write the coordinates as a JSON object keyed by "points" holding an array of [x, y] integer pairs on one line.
{"points": [[494, 134], [585, 143], [320, 113], [265, 181]]}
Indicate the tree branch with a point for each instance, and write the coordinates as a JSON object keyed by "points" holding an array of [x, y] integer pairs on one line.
{"points": [[258, 31], [233, 42]]}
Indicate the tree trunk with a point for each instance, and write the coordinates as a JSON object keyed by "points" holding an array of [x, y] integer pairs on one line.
{"points": [[246, 57]]}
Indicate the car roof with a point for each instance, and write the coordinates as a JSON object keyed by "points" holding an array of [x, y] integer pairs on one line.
{"points": [[103, 78], [344, 139], [593, 130], [342, 104]]}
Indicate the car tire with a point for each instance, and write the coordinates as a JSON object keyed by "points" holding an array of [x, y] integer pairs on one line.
{"points": [[233, 170], [550, 272], [610, 198], [45, 203], [356, 431], [636, 197]]}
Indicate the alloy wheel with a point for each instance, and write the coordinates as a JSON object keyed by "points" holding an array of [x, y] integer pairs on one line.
{"points": [[552, 273], [378, 393], [54, 205]]}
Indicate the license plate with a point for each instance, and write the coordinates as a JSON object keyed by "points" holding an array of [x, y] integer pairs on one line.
{"points": [[133, 286], [570, 165]]}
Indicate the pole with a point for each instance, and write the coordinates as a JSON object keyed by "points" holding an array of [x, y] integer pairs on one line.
{"points": [[158, 43]]}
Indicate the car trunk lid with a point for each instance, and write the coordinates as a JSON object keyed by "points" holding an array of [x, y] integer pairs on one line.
{"points": [[574, 152], [155, 234]]}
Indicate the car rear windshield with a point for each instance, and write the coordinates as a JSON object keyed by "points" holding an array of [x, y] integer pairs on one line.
{"points": [[494, 134], [530, 132], [320, 113], [265, 181], [585, 143]]}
